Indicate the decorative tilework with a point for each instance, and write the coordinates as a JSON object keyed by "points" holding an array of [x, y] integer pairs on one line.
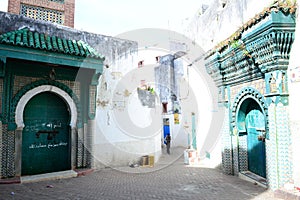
{"points": [[1, 150], [278, 148], [89, 143], [92, 106], [243, 155], [73, 85], [259, 85], [245, 93], [226, 145], [10, 154], [21, 81], [1, 93], [7, 153], [235, 154], [271, 150], [284, 143], [245, 76], [80, 149], [84, 147]]}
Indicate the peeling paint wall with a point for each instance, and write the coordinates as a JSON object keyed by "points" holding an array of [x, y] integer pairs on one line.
{"points": [[111, 145], [112, 48], [124, 132], [218, 23]]}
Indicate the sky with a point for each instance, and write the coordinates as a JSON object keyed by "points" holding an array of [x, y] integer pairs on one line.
{"points": [[113, 17]]}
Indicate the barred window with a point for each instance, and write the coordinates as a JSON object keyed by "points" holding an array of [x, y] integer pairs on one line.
{"points": [[42, 14]]}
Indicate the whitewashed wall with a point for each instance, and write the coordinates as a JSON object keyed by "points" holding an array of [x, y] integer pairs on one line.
{"points": [[218, 23], [125, 130]]}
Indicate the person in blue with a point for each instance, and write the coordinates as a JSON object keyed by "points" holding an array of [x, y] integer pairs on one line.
{"points": [[168, 143]]}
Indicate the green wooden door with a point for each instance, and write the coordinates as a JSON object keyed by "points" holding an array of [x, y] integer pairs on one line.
{"points": [[46, 137], [255, 124]]}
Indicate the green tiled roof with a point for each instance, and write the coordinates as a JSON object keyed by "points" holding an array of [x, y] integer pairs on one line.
{"points": [[35, 40]]}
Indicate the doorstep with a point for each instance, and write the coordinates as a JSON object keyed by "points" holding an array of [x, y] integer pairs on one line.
{"points": [[13, 180], [251, 177], [47, 176], [84, 171]]}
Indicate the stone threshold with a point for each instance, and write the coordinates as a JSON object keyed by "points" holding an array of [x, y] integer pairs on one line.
{"points": [[251, 177], [48, 176], [13, 180]]}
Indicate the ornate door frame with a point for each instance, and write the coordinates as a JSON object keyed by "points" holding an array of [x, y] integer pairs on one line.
{"points": [[20, 123]]}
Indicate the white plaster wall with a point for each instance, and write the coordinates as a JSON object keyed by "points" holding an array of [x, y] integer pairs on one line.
{"points": [[178, 134], [217, 23], [125, 130]]}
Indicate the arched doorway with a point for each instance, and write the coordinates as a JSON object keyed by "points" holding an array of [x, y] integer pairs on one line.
{"points": [[46, 135], [252, 119]]}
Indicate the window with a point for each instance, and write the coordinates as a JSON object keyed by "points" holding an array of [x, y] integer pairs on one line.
{"points": [[42, 14]]}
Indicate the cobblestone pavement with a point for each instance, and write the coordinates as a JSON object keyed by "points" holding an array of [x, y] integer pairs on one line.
{"points": [[169, 179]]}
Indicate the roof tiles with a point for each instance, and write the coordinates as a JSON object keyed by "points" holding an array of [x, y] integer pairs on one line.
{"points": [[35, 40]]}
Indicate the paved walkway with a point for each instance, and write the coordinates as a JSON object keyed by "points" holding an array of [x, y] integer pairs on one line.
{"points": [[168, 179]]}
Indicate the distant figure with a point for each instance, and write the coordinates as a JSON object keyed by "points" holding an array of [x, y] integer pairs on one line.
{"points": [[168, 143]]}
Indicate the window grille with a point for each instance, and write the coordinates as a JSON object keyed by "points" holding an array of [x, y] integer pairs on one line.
{"points": [[42, 14]]}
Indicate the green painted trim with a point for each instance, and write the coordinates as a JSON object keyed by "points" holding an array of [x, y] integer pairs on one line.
{"points": [[50, 57], [262, 49], [276, 20], [42, 70], [2, 66], [7, 94], [11, 126], [95, 78], [277, 87], [245, 93], [229, 112]]}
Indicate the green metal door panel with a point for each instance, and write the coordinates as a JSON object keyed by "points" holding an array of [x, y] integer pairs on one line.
{"points": [[255, 122], [46, 138]]}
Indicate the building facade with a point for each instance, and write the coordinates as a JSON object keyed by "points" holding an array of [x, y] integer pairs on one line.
{"points": [[47, 103], [56, 11], [48, 87], [250, 70]]}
